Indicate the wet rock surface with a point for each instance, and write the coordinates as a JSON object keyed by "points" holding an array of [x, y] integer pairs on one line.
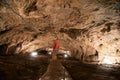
{"points": [[81, 71], [19, 67], [40, 68]]}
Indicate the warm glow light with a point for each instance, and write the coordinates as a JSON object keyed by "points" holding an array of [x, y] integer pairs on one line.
{"points": [[107, 61], [34, 54], [68, 52], [65, 79], [49, 53]]}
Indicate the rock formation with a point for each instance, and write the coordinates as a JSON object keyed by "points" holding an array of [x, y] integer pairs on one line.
{"points": [[90, 29]]}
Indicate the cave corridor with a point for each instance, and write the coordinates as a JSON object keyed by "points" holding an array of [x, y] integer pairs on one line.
{"points": [[59, 39]]}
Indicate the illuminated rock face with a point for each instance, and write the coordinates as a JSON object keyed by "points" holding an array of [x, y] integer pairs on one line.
{"points": [[106, 43], [90, 29], [108, 46]]}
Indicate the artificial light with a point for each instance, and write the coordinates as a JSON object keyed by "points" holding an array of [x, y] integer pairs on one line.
{"points": [[34, 54], [107, 61]]}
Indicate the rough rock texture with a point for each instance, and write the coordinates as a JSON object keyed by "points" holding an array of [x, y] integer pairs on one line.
{"points": [[90, 29]]}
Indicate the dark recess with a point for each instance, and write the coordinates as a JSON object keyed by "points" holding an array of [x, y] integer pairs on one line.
{"points": [[31, 7], [3, 49], [73, 33]]}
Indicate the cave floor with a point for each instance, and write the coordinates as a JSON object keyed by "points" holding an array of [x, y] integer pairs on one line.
{"points": [[82, 71], [19, 67]]}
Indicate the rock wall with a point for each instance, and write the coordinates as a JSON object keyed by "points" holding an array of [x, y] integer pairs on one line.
{"points": [[90, 29]]}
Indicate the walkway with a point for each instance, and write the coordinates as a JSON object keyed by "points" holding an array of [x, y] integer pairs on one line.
{"points": [[56, 71]]}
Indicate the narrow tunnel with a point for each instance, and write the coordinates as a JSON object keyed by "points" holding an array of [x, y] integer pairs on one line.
{"points": [[59, 40]]}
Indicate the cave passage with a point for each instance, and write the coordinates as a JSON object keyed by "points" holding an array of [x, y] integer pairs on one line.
{"points": [[84, 34]]}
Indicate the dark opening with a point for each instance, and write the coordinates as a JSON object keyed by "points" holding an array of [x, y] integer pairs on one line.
{"points": [[42, 52]]}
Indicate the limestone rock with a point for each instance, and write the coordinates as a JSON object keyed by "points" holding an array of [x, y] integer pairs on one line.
{"points": [[90, 29]]}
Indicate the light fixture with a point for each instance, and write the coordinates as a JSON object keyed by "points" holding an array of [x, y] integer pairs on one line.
{"points": [[49, 53], [34, 54], [65, 55], [107, 60]]}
